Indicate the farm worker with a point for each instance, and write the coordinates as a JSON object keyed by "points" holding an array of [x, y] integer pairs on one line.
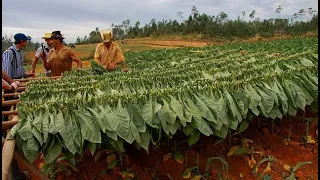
{"points": [[12, 58], [60, 57], [44, 48], [108, 54]]}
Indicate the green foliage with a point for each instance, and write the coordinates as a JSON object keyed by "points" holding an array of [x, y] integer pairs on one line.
{"points": [[164, 92], [293, 170], [212, 27]]}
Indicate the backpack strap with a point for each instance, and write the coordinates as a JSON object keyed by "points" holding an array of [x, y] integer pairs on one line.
{"points": [[14, 58]]}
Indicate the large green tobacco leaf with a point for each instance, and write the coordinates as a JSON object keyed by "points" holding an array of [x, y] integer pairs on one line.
{"points": [[136, 116], [109, 117], [194, 110], [222, 133], [25, 131], [37, 122], [32, 145], [68, 132], [76, 132], [37, 135], [187, 130], [173, 128], [204, 128], [242, 102], [300, 96], [193, 138], [282, 96], [122, 116], [135, 132], [52, 152], [148, 112], [205, 111], [145, 140], [254, 99], [53, 129], [99, 118], [92, 148], [176, 107], [31, 156], [290, 94], [45, 125], [233, 107], [163, 116], [89, 129], [267, 101], [222, 112], [168, 110]]}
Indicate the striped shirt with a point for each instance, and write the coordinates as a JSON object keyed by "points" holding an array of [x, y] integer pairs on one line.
{"points": [[13, 68]]}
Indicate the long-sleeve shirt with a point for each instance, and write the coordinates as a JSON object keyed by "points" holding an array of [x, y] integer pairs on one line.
{"points": [[105, 56], [13, 65]]}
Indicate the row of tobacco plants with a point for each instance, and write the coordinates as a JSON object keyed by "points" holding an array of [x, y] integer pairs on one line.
{"points": [[210, 91]]}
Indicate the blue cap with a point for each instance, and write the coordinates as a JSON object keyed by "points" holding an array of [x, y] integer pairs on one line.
{"points": [[21, 37]]}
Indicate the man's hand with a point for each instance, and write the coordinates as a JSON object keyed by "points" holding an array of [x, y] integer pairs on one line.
{"points": [[31, 75], [14, 85], [112, 65], [19, 84], [79, 66]]}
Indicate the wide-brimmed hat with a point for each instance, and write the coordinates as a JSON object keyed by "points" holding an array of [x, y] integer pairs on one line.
{"points": [[57, 35], [47, 35], [106, 35]]}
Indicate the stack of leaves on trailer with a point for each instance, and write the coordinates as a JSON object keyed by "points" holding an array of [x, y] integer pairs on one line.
{"points": [[209, 91]]}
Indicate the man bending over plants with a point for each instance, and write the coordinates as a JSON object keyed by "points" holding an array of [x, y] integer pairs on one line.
{"points": [[108, 54]]}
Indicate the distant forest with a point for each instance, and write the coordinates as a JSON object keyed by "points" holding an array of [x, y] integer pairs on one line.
{"points": [[219, 26], [214, 26]]}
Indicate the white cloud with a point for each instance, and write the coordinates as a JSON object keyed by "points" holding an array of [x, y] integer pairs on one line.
{"points": [[79, 17]]}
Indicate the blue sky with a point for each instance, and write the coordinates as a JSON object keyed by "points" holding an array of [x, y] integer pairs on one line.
{"points": [[79, 17]]}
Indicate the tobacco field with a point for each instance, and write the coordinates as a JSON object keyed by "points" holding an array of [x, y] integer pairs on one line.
{"points": [[210, 91]]}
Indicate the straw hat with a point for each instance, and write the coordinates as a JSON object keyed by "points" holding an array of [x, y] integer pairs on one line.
{"points": [[47, 35], [106, 35]]}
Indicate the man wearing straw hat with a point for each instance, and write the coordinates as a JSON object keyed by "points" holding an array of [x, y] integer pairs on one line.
{"points": [[44, 48], [60, 57], [108, 54]]}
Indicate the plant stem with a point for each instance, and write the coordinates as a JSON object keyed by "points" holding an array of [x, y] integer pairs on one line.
{"points": [[187, 158], [198, 162], [307, 133], [272, 125], [230, 137], [289, 133]]}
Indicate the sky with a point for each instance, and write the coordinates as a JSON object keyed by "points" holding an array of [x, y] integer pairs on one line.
{"points": [[77, 18]]}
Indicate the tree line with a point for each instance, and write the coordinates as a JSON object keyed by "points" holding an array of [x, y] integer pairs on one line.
{"points": [[214, 26], [218, 26]]}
